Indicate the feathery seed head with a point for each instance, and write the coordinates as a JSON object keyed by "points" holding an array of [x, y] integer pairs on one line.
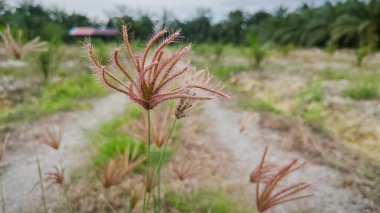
{"points": [[149, 82], [56, 177], [271, 176], [52, 136]]}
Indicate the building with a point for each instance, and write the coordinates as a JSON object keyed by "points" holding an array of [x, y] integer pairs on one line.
{"points": [[92, 32]]}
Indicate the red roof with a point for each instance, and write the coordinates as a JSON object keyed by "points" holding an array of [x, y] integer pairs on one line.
{"points": [[91, 31]]}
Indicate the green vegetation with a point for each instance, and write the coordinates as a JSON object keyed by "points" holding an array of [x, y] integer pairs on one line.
{"points": [[218, 51], [204, 201], [61, 96], [309, 105], [109, 139], [286, 49], [361, 53], [334, 74], [257, 51], [350, 23], [363, 85], [362, 91], [313, 92], [49, 61], [257, 105], [223, 72]]}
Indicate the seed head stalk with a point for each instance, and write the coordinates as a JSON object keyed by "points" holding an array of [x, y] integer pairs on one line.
{"points": [[158, 169], [43, 198], [148, 166]]}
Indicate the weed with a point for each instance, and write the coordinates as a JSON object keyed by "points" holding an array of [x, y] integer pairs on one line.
{"points": [[309, 105], [334, 74], [361, 53], [362, 91], [258, 105], [204, 201], [257, 50], [313, 92], [223, 72]]}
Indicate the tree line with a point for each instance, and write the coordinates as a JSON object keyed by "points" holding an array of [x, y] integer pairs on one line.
{"points": [[350, 23]]}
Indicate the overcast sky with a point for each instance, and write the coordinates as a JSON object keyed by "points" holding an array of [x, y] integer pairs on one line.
{"points": [[181, 9]]}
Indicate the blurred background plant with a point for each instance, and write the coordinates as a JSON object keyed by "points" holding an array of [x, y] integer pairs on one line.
{"points": [[49, 61], [15, 48], [361, 53], [257, 51]]}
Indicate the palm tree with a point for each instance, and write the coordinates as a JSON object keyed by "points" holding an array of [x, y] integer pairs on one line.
{"points": [[359, 24]]}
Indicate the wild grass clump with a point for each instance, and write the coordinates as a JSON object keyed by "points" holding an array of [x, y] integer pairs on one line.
{"points": [[223, 72], [204, 201], [258, 105], [362, 91], [309, 105], [335, 74]]}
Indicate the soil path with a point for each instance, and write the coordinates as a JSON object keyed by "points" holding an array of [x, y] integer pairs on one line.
{"points": [[19, 176], [247, 148]]}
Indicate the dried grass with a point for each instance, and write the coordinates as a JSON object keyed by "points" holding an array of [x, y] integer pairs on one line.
{"points": [[15, 48], [50, 136], [274, 193]]}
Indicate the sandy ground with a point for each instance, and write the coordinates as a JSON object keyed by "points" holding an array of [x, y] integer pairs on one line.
{"points": [[19, 172], [246, 149]]}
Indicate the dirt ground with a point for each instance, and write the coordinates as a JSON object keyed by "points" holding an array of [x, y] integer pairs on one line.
{"points": [[228, 157], [19, 174]]}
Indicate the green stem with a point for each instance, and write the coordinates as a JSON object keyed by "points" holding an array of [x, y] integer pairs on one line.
{"points": [[41, 181], [148, 165], [159, 192], [162, 154]]}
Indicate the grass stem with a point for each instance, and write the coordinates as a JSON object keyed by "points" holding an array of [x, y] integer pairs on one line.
{"points": [[148, 166], [43, 198], [158, 169]]}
